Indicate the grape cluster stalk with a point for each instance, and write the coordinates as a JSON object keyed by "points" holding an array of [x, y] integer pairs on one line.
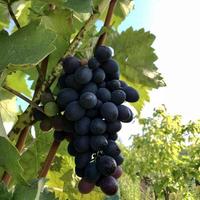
{"points": [[88, 111]]}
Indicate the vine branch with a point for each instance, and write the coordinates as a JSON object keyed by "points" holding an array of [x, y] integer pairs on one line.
{"points": [[107, 22], [12, 14], [49, 159]]}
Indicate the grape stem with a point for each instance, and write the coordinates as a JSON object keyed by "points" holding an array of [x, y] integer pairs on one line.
{"points": [[107, 22], [49, 159], [33, 104], [6, 178], [12, 14]]}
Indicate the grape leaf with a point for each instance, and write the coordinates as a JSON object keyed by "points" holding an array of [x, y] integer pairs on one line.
{"points": [[2, 129], [17, 81], [80, 5], [136, 57], [9, 159], [4, 17], [4, 194], [26, 47]]}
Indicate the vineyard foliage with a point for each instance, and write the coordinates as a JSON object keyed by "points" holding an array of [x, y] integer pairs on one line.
{"points": [[34, 30]]}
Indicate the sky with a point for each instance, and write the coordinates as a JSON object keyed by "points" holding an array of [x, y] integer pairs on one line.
{"points": [[175, 23]]}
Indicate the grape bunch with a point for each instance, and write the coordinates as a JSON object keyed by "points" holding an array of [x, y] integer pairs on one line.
{"points": [[88, 111]]}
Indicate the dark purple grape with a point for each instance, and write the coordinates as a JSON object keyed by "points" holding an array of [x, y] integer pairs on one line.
{"points": [[70, 64], [110, 67], [58, 123], [71, 83], [82, 126], [85, 187], [97, 126], [106, 165], [118, 97], [38, 115], [71, 150], [93, 63], [46, 97], [119, 159], [74, 111], [88, 100], [83, 75], [65, 96], [114, 127], [91, 173], [118, 172], [125, 113], [46, 124], [102, 53], [90, 87], [103, 94], [113, 85], [109, 185], [109, 111], [112, 149], [131, 94], [98, 142], [59, 136], [82, 160], [61, 81], [98, 75], [79, 171], [82, 144], [113, 136], [123, 84]]}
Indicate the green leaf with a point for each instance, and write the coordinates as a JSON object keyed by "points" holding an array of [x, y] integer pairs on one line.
{"points": [[136, 57], [33, 191], [17, 81], [9, 159], [80, 5], [2, 129], [25, 48], [4, 16], [4, 194]]}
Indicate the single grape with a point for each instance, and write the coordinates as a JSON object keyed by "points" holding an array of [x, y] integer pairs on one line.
{"points": [[113, 127], [71, 83], [81, 144], [109, 185], [102, 53], [110, 67], [131, 94], [119, 159], [118, 97], [91, 173], [74, 111], [90, 87], [123, 84], [61, 81], [106, 165], [113, 85], [93, 63], [98, 75], [98, 142], [82, 160], [71, 150], [118, 172], [83, 75], [65, 96], [46, 97], [88, 100], [103, 94], [97, 126], [125, 113], [51, 109], [58, 123], [109, 111], [70, 64], [82, 126], [112, 149], [46, 124], [85, 187]]}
